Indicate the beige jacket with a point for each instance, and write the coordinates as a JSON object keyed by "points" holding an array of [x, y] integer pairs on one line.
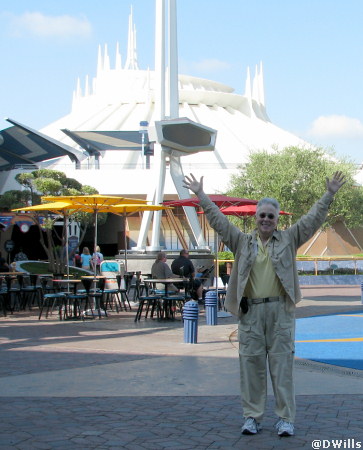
{"points": [[282, 250]]}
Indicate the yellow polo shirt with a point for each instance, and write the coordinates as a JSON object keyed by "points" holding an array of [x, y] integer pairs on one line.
{"points": [[263, 281]]}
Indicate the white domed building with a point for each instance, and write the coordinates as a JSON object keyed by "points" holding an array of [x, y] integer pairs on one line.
{"points": [[121, 96]]}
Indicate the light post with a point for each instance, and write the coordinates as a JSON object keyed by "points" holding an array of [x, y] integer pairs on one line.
{"points": [[143, 131]]}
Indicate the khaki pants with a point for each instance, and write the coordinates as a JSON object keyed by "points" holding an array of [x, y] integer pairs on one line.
{"points": [[267, 333]]}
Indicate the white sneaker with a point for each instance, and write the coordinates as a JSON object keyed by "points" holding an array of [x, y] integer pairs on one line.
{"points": [[251, 426], [284, 428]]}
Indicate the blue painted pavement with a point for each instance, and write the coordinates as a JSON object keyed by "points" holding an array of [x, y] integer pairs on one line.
{"points": [[333, 339]]}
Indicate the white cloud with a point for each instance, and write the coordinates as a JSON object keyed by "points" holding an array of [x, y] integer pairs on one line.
{"points": [[38, 24], [211, 65], [335, 126], [202, 67]]}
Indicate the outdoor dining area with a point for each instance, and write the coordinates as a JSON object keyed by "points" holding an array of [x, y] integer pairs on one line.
{"points": [[88, 297], [97, 294], [67, 296]]}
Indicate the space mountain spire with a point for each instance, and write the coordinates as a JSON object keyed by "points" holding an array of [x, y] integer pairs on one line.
{"points": [[104, 65], [255, 93], [131, 59]]}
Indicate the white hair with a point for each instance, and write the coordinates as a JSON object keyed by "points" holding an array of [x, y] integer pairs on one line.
{"points": [[269, 201]]}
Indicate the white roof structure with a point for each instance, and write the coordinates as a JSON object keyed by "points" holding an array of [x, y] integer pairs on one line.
{"points": [[119, 98]]}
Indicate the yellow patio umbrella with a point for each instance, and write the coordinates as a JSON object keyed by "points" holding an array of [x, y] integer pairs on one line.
{"points": [[94, 203], [94, 200], [61, 208], [54, 206]]}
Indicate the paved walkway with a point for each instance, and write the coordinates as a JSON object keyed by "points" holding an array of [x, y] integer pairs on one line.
{"points": [[111, 384]]}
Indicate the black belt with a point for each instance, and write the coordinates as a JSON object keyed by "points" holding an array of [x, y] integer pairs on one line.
{"points": [[245, 300], [264, 300]]}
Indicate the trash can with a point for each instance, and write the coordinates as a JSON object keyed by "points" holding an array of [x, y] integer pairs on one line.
{"points": [[190, 317], [211, 307]]}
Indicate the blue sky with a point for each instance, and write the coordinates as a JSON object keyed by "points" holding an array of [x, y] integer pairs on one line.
{"points": [[311, 50]]}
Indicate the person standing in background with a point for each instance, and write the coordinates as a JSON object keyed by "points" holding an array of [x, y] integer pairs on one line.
{"points": [[97, 258], [77, 259], [86, 259]]}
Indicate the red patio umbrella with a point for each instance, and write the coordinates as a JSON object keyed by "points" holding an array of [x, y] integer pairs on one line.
{"points": [[220, 200], [244, 210]]}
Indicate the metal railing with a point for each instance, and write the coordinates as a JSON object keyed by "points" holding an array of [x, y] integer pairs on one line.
{"points": [[330, 260], [316, 259], [139, 166]]}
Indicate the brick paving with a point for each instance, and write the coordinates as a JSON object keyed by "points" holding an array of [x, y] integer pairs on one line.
{"points": [[147, 421], [169, 422]]}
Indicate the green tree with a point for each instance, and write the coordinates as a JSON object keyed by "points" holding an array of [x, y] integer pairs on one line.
{"points": [[14, 199], [50, 182], [55, 183], [296, 178], [26, 179]]}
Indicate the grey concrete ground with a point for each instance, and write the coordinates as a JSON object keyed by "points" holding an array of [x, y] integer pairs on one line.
{"points": [[113, 383]]}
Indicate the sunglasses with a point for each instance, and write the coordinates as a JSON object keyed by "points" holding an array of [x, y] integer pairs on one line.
{"points": [[269, 216]]}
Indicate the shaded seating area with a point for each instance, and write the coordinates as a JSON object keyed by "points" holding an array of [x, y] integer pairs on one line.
{"points": [[50, 300], [13, 296], [149, 303], [90, 297], [171, 305], [73, 303], [61, 294], [128, 277], [116, 296], [77, 302], [139, 286], [160, 301], [20, 291], [29, 290], [95, 297]]}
